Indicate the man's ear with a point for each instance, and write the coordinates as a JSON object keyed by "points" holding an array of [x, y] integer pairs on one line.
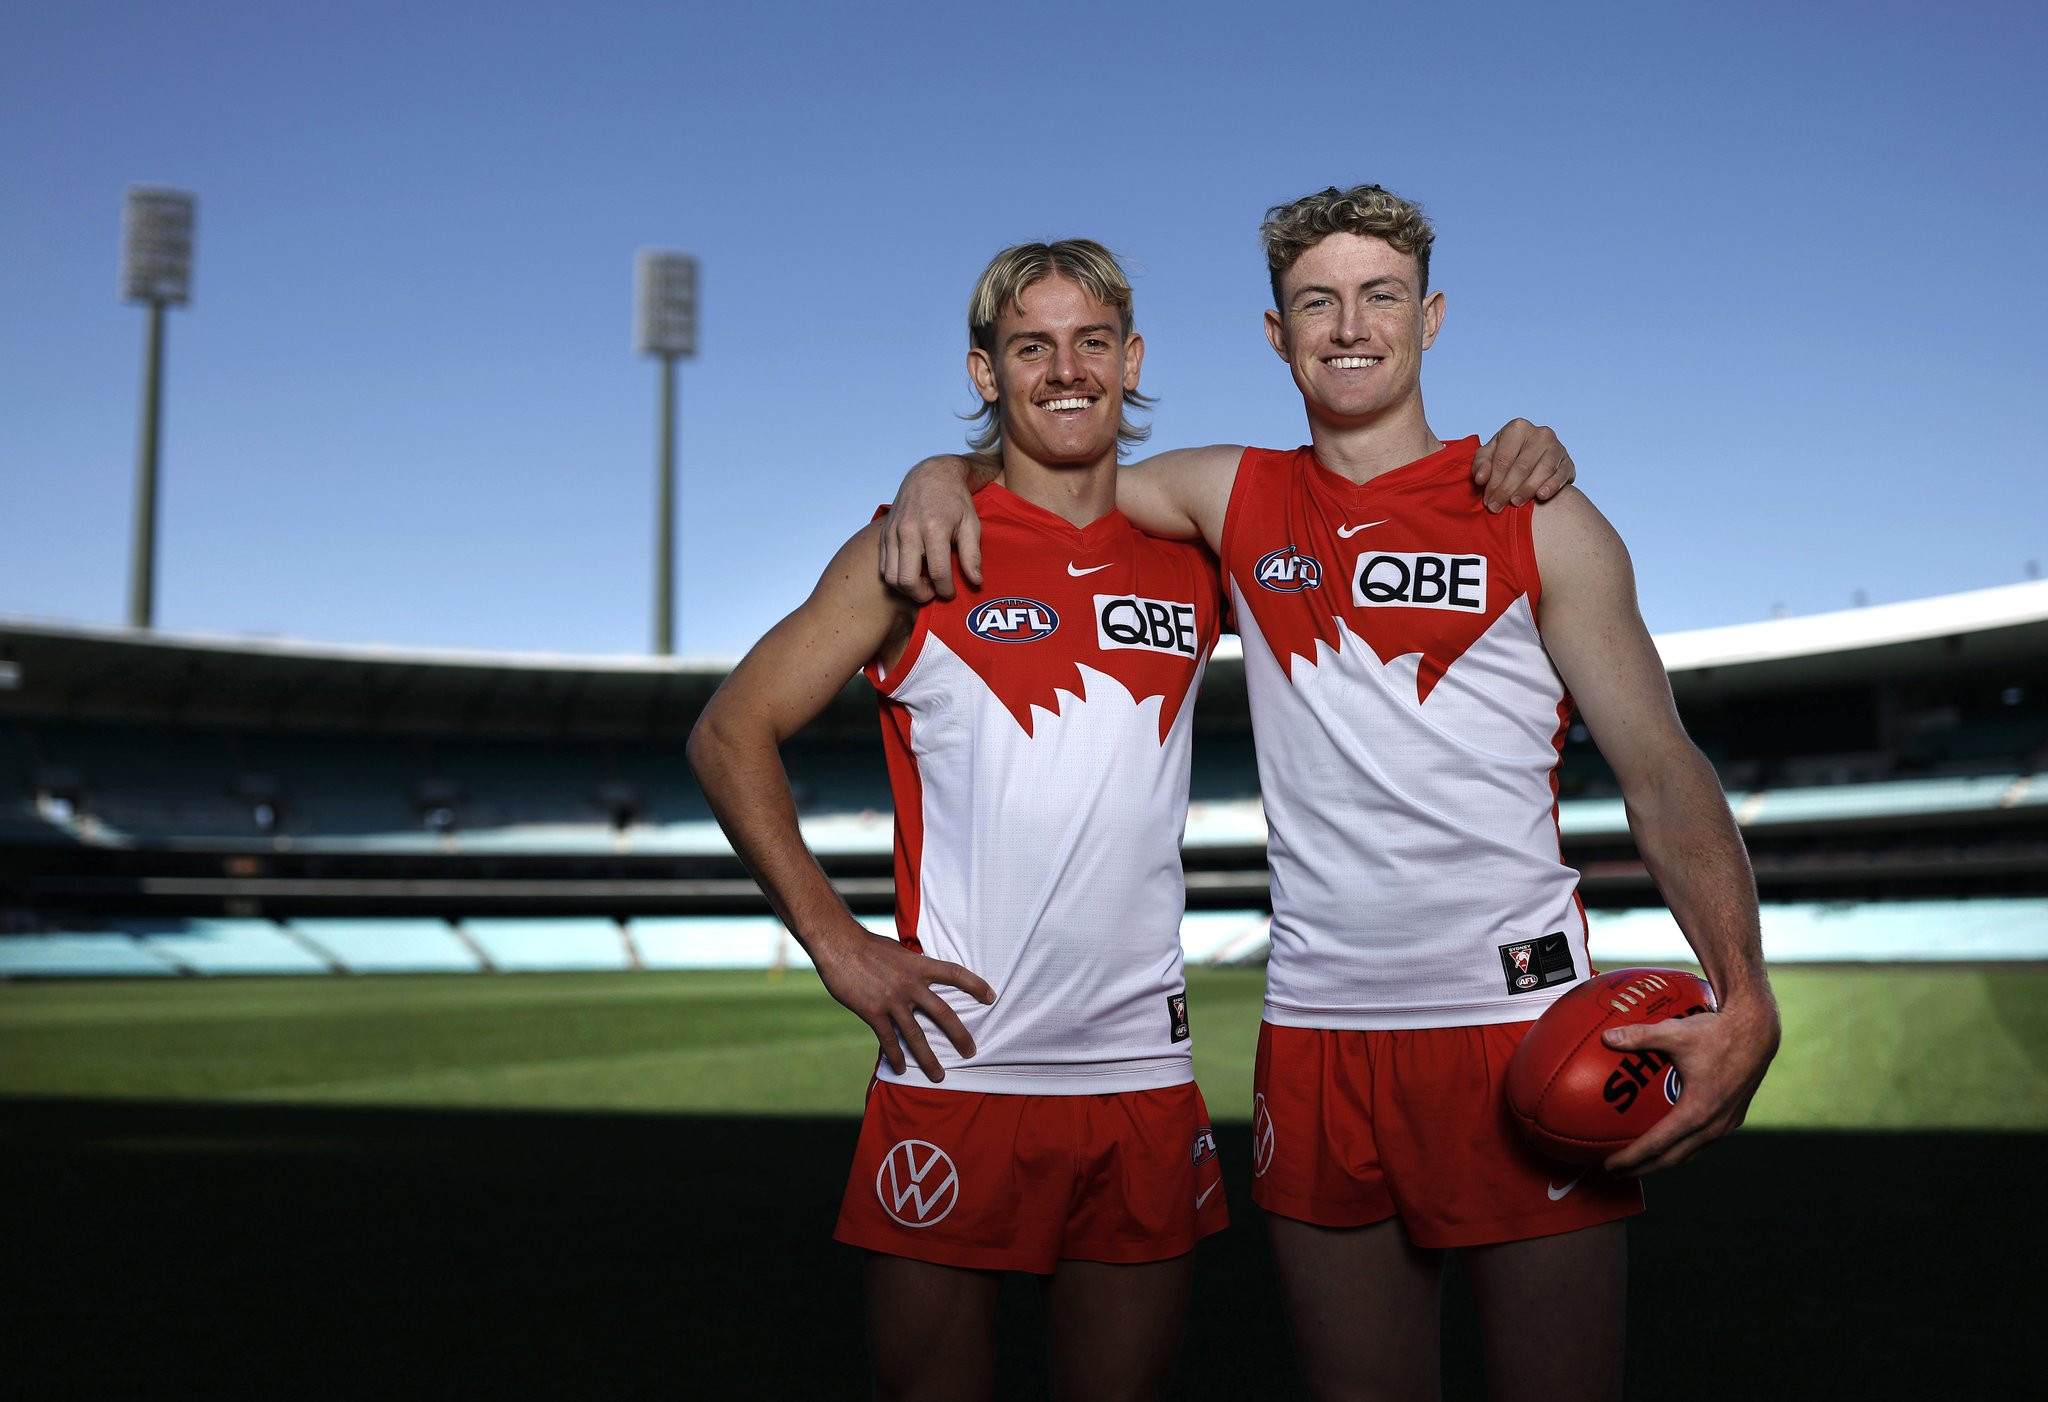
{"points": [[1276, 333], [1134, 357], [1433, 309], [982, 371]]}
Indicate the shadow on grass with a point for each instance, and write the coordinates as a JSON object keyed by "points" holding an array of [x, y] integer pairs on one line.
{"points": [[229, 1251]]}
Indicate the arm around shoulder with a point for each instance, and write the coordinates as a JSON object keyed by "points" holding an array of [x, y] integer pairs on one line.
{"points": [[1182, 494], [932, 517]]}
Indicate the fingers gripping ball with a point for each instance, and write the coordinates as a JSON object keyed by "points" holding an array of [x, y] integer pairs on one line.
{"points": [[1577, 1098]]}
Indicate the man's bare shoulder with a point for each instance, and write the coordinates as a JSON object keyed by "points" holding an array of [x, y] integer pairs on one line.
{"points": [[1181, 493], [1215, 457]]}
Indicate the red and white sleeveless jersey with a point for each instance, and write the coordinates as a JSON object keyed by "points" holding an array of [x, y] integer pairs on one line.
{"points": [[1037, 732], [1409, 724]]}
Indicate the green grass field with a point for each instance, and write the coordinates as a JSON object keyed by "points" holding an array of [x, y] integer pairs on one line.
{"points": [[1865, 1047]]}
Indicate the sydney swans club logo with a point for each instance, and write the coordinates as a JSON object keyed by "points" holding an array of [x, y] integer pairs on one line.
{"points": [[1288, 571], [917, 1183], [1012, 621]]}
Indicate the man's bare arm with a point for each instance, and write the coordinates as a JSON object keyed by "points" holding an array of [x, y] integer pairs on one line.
{"points": [[1681, 824], [1181, 494], [788, 678]]}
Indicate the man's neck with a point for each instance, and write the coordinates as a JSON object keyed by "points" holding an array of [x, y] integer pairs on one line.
{"points": [[1362, 452], [1079, 493]]}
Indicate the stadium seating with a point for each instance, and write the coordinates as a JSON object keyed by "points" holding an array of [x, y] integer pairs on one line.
{"points": [[722, 942], [67, 955], [533, 943], [391, 945], [229, 946], [1972, 930]]}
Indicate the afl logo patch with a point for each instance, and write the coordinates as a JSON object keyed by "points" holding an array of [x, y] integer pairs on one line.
{"points": [[1288, 571], [917, 1183], [1012, 620]]}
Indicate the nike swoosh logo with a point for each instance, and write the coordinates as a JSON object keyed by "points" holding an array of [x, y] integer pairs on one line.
{"points": [[1077, 573], [1203, 1196], [1346, 532], [1557, 1192]]}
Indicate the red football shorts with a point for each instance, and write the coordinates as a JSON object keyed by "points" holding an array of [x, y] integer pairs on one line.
{"points": [[1023, 1182], [1351, 1128]]}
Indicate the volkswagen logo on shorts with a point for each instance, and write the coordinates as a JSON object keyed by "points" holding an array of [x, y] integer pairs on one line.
{"points": [[1262, 1137], [917, 1183], [1012, 620]]}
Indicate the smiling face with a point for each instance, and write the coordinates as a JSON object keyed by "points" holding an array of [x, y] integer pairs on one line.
{"points": [[1057, 370], [1353, 324]]}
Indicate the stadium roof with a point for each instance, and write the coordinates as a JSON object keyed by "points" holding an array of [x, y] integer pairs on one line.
{"points": [[87, 671]]}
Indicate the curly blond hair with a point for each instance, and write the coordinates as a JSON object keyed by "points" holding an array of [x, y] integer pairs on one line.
{"points": [[1293, 229], [1003, 284]]}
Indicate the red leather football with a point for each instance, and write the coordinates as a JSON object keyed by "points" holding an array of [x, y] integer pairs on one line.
{"points": [[1577, 1098]]}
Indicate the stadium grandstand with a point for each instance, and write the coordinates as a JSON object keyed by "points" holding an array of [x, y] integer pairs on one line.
{"points": [[185, 805]]}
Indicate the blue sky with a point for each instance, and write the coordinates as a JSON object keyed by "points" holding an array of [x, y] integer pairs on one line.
{"points": [[1775, 272]]}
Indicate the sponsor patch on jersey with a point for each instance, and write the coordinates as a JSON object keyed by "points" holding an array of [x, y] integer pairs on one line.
{"points": [[1177, 1015], [1419, 579], [1156, 625], [1541, 963], [1012, 621], [1288, 571]]}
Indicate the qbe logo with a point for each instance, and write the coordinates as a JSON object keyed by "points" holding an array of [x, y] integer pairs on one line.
{"points": [[1419, 580], [1012, 620], [1288, 571], [1156, 625], [917, 1183]]}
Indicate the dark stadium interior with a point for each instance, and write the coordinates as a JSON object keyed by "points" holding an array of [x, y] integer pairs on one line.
{"points": [[230, 1251]]}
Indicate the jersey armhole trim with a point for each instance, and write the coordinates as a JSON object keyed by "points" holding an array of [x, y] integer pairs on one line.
{"points": [[890, 681], [1239, 487]]}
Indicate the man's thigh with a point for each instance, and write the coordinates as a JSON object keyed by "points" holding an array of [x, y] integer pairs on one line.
{"points": [[931, 1329], [1363, 1304], [1115, 1329], [1552, 1312]]}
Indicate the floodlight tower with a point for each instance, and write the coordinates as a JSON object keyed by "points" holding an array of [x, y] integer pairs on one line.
{"points": [[665, 324], [156, 268]]}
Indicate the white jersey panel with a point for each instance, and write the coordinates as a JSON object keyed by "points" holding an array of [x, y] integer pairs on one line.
{"points": [[1051, 867]]}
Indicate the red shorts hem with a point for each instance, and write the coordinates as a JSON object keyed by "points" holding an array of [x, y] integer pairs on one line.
{"points": [[1300, 1209], [1434, 1237], [993, 1258]]}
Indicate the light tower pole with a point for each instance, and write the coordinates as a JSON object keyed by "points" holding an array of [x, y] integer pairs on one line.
{"points": [[665, 325], [156, 268]]}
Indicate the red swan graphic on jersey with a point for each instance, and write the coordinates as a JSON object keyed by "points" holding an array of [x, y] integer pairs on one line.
{"points": [[1406, 567], [1102, 595]]}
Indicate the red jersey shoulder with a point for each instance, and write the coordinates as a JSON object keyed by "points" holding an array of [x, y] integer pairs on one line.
{"points": [[1141, 611], [1409, 562]]}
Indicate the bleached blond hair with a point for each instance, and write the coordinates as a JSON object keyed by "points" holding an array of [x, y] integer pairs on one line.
{"points": [[1002, 287]]}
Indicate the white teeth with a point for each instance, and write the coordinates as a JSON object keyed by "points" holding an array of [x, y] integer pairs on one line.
{"points": [[1353, 362], [1057, 404]]}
